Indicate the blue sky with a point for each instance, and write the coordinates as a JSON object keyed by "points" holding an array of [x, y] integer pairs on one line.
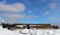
{"points": [[30, 11]]}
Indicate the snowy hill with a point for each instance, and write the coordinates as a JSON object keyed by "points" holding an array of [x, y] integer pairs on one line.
{"points": [[5, 31]]}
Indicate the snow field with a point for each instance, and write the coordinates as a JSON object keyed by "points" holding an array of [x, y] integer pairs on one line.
{"points": [[4, 31]]}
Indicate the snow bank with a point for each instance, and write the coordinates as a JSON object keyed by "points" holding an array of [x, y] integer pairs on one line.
{"points": [[7, 32], [4, 31]]}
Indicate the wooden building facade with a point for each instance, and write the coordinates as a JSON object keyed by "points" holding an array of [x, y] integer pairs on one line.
{"points": [[28, 26]]}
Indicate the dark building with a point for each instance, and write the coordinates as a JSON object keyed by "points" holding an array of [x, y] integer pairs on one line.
{"points": [[29, 26], [41, 26]]}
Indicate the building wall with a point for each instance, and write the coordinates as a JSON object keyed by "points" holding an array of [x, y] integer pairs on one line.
{"points": [[28, 26]]}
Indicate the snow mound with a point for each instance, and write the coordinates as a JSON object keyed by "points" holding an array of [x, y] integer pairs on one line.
{"points": [[5, 31]]}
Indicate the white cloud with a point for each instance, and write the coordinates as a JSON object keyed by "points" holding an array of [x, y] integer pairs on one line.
{"points": [[36, 9], [9, 9], [31, 16], [11, 12], [46, 13], [16, 7], [52, 18], [41, 1], [30, 11], [1, 20], [3, 2], [35, 16], [12, 18], [51, 5]]}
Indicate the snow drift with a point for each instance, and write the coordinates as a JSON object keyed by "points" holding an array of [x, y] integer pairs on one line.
{"points": [[5, 31]]}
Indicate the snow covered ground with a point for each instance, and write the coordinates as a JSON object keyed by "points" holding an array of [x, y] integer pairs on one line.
{"points": [[4, 31]]}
